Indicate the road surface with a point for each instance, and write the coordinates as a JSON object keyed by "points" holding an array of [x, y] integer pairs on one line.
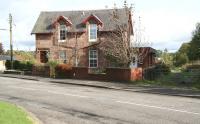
{"points": [[70, 104]]}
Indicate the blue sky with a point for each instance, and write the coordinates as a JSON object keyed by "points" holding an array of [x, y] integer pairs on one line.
{"points": [[167, 23]]}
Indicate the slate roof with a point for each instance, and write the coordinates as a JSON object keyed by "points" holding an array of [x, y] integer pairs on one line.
{"points": [[46, 19]]}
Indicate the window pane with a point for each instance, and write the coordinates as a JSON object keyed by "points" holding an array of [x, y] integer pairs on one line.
{"points": [[93, 63], [93, 54], [63, 31], [93, 31], [93, 58]]}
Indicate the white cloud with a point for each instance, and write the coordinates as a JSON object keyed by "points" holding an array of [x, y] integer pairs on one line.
{"points": [[167, 27], [168, 24]]}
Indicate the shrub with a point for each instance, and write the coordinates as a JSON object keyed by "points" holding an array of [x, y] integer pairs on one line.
{"points": [[20, 65], [41, 70], [8, 64], [16, 65], [63, 71], [162, 69], [29, 65], [52, 64], [156, 71]]}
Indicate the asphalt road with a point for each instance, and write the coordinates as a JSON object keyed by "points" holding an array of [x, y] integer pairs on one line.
{"points": [[70, 104]]}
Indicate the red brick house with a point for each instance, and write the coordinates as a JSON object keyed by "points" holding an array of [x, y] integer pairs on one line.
{"points": [[72, 36]]}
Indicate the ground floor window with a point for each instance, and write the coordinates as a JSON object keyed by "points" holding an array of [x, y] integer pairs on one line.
{"points": [[93, 58], [63, 56]]}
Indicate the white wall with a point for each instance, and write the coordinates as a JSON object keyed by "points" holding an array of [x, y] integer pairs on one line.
{"points": [[2, 66]]}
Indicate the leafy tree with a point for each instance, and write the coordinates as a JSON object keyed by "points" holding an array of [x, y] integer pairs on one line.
{"points": [[167, 58], [194, 49], [159, 53], [184, 48], [181, 56], [180, 59]]}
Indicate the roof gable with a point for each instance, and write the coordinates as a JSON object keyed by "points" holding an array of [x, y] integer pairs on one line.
{"points": [[63, 18], [93, 17]]}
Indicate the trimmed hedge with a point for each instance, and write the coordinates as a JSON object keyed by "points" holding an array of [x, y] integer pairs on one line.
{"points": [[19, 65], [63, 71]]}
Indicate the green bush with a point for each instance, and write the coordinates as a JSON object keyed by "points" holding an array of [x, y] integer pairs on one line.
{"points": [[19, 65], [155, 72], [162, 69], [63, 71], [8, 64], [42, 70], [52, 64]]}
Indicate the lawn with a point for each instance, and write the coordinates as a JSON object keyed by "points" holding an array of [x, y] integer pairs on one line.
{"points": [[11, 114]]}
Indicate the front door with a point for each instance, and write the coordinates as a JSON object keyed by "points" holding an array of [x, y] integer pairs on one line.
{"points": [[43, 56]]}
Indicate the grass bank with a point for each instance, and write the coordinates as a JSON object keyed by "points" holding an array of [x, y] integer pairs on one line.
{"points": [[11, 114]]}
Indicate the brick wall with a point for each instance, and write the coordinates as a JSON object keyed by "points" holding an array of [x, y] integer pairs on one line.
{"points": [[124, 74], [112, 74], [82, 73], [49, 42], [43, 71]]}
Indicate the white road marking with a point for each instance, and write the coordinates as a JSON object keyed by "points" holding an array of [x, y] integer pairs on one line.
{"points": [[25, 88], [66, 94], [157, 107]]}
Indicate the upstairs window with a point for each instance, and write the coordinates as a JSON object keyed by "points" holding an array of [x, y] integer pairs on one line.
{"points": [[62, 32], [92, 32], [93, 58]]}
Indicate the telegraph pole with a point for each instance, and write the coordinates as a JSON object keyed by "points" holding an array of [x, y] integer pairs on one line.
{"points": [[11, 43]]}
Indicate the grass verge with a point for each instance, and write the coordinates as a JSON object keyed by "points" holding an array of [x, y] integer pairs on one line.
{"points": [[162, 83], [11, 114]]}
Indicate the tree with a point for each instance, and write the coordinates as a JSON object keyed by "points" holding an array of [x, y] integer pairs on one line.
{"points": [[184, 48], [181, 57], [194, 49], [1, 49], [167, 58], [159, 53], [117, 45]]}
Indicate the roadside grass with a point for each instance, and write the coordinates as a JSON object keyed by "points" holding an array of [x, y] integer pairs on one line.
{"points": [[11, 114], [193, 86], [172, 81]]}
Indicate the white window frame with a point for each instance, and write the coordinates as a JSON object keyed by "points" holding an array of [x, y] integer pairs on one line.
{"points": [[59, 29], [93, 58], [92, 40]]}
